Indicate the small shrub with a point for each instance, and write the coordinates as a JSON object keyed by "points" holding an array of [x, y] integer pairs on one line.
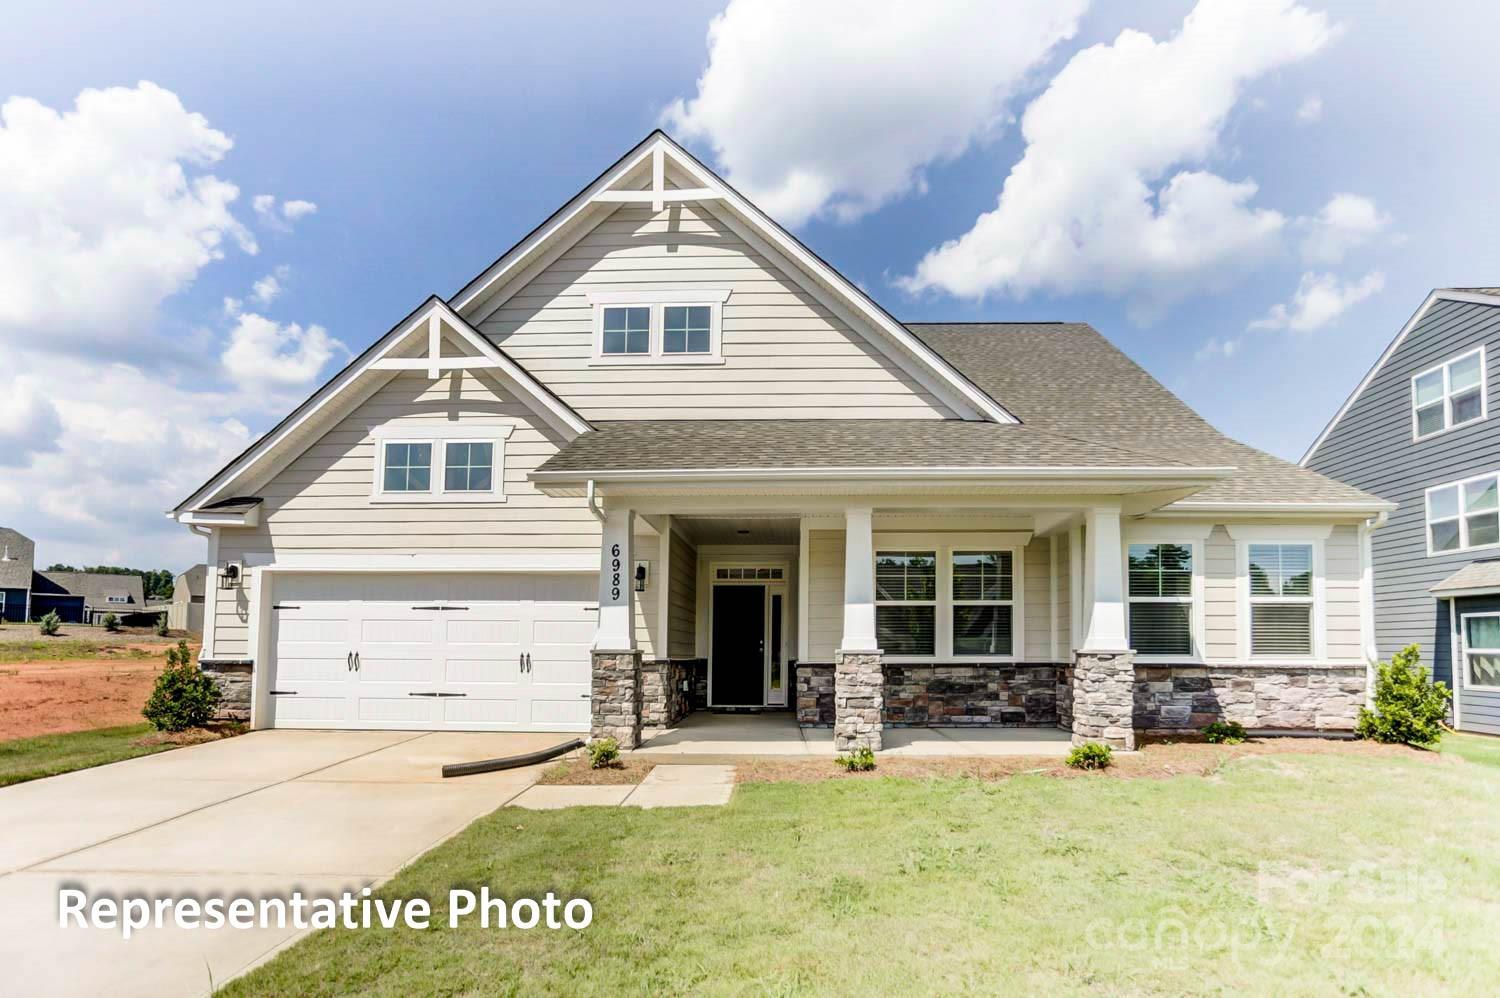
{"points": [[161, 625], [1409, 706], [49, 624], [184, 696], [111, 622], [860, 760], [1091, 755], [604, 752], [1224, 733]]}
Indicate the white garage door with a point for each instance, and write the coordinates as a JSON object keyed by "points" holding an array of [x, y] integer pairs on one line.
{"points": [[487, 652]]}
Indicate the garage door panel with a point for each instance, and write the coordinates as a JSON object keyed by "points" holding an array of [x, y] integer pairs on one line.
{"points": [[387, 664], [480, 712], [397, 710], [396, 628], [562, 714], [294, 665], [485, 671], [323, 628], [306, 711], [504, 632]]}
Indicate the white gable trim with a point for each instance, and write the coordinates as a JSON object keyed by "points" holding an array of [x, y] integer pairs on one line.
{"points": [[339, 393], [1432, 299], [480, 297]]}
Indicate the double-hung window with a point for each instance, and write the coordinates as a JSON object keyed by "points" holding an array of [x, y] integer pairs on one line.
{"points": [[1161, 599], [1482, 650], [1281, 600], [1463, 515], [983, 602], [658, 326], [906, 602], [1448, 395]]}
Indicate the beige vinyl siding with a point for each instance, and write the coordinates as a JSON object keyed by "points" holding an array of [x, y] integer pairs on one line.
{"points": [[231, 610], [785, 355], [647, 604], [1220, 598], [1037, 610], [1341, 592], [825, 594], [683, 608], [1064, 600]]}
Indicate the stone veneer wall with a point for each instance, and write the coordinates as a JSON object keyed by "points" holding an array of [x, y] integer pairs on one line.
{"points": [[233, 677], [1065, 697], [925, 695], [1103, 698], [663, 700], [616, 700], [1174, 698], [814, 694], [858, 700]]}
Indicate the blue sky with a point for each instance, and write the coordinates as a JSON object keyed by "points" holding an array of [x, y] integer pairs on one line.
{"points": [[429, 139]]}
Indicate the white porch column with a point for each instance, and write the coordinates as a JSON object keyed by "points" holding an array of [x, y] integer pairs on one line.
{"points": [[1105, 585], [859, 582], [616, 587]]}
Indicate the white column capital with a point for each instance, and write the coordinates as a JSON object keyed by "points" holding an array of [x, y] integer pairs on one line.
{"points": [[859, 581]]}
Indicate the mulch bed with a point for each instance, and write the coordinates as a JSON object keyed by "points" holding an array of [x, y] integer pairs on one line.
{"points": [[1158, 761], [574, 771], [192, 736]]}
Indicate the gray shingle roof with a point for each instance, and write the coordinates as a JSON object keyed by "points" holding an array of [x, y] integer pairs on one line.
{"points": [[96, 588], [1066, 378], [833, 443], [18, 554], [1475, 575]]}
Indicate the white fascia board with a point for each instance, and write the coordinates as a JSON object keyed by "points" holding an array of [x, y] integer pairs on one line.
{"points": [[1460, 593], [1002, 472], [1417, 316], [1366, 507], [338, 392], [561, 561], [218, 518]]}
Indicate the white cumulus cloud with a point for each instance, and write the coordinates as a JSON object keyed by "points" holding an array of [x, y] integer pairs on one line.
{"points": [[269, 288], [1319, 300], [265, 353], [281, 218], [29, 424], [828, 109], [1310, 110], [295, 209], [104, 212], [1102, 199], [1345, 223]]}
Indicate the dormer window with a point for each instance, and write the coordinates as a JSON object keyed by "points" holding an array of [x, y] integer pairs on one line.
{"points": [[665, 326]]}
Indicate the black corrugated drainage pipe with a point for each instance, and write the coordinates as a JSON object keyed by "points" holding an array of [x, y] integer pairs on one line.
{"points": [[511, 761]]}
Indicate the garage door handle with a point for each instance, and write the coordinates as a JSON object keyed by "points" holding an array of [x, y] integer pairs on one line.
{"points": [[349, 662], [356, 661]]}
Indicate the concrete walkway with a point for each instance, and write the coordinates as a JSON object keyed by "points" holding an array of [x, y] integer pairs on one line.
{"points": [[261, 814], [704, 737], [664, 786]]}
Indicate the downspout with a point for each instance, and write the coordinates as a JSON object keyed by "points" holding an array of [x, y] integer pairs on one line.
{"points": [[594, 506]]}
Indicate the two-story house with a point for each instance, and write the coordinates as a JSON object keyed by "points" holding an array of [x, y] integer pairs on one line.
{"points": [[1416, 431], [660, 456]]}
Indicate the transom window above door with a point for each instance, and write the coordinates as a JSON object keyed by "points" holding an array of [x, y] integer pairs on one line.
{"points": [[1463, 515], [1450, 395], [660, 326]]}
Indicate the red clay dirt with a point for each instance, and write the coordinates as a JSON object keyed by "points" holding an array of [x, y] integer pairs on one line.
{"points": [[49, 698]]}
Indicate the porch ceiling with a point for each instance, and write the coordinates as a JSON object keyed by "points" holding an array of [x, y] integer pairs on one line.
{"points": [[740, 530]]}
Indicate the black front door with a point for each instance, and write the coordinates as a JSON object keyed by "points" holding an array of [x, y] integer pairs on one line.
{"points": [[739, 646]]}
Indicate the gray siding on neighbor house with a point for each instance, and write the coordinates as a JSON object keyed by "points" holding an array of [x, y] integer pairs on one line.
{"points": [[1478, 710], [1371, 447]]}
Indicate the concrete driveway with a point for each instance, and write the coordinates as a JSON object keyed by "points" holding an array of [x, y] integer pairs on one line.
{"points": [[262, 814]]}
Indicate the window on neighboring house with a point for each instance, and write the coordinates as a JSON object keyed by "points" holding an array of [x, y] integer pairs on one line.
{"points": [[117, 599], [1161, 599], [1463, 515], [1281, 600], [468, 467], [627, 331], [983, 602], [1449, 395], [1482, 650], [686, 328], [408, 467], [906, 602]]}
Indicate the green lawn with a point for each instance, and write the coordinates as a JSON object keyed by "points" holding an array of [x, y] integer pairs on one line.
{"points": [[47, 755], [1289, 873], [1483, 749]]}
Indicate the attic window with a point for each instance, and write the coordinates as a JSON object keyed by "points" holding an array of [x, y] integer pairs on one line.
{"points": [[440, 464], [666, 326]]}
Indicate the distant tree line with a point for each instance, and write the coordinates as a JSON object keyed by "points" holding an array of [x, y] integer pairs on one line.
{"points": [[157, 582]]}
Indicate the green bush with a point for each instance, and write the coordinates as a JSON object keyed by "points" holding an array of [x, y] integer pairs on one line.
{"points": [[860, 760], [184, 697], [111, 622], [603, 752], [1091, 755], [1409, 706], [49, 624], [161, 625], [1224, 732]]}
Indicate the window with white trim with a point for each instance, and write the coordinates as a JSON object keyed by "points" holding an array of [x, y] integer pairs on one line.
{"points": [[469, 466], [906, 602], [1281, 600], [1160, 597], [440, 464], [407, 466], [687, 329], [983, 602], [658, 326], [1482, 651], [1450, 395], [117, 599], [1463, 515], [627, 331]]}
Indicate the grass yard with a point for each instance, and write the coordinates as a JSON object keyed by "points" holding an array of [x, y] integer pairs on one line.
{"points": [[1294, 873], [25, 759]]}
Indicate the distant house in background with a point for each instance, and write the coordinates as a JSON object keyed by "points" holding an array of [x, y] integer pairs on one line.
{"points": [[187, 600], [76, 597], [17, 557]]}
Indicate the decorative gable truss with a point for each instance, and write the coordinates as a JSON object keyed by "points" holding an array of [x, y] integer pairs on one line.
{"points": [[415, 344]]}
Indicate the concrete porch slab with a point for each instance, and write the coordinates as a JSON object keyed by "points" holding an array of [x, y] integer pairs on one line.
{"points": [[684, 786], [703, 734], [553, 797]]}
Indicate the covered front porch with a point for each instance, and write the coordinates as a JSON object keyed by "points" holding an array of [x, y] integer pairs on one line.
{"points": [[708, 736]]}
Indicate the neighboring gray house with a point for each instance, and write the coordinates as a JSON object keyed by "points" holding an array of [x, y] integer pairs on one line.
{"points": [[187, 599], [1416, 431], [122, 595], [17, 557]]}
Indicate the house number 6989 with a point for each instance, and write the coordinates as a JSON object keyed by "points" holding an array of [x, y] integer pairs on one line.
{"points": [[614, 582]]}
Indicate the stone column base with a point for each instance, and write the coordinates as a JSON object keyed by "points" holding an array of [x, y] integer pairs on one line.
{"points": [[1104, 698], [858, 700], [233, 677], [616, 699]]}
